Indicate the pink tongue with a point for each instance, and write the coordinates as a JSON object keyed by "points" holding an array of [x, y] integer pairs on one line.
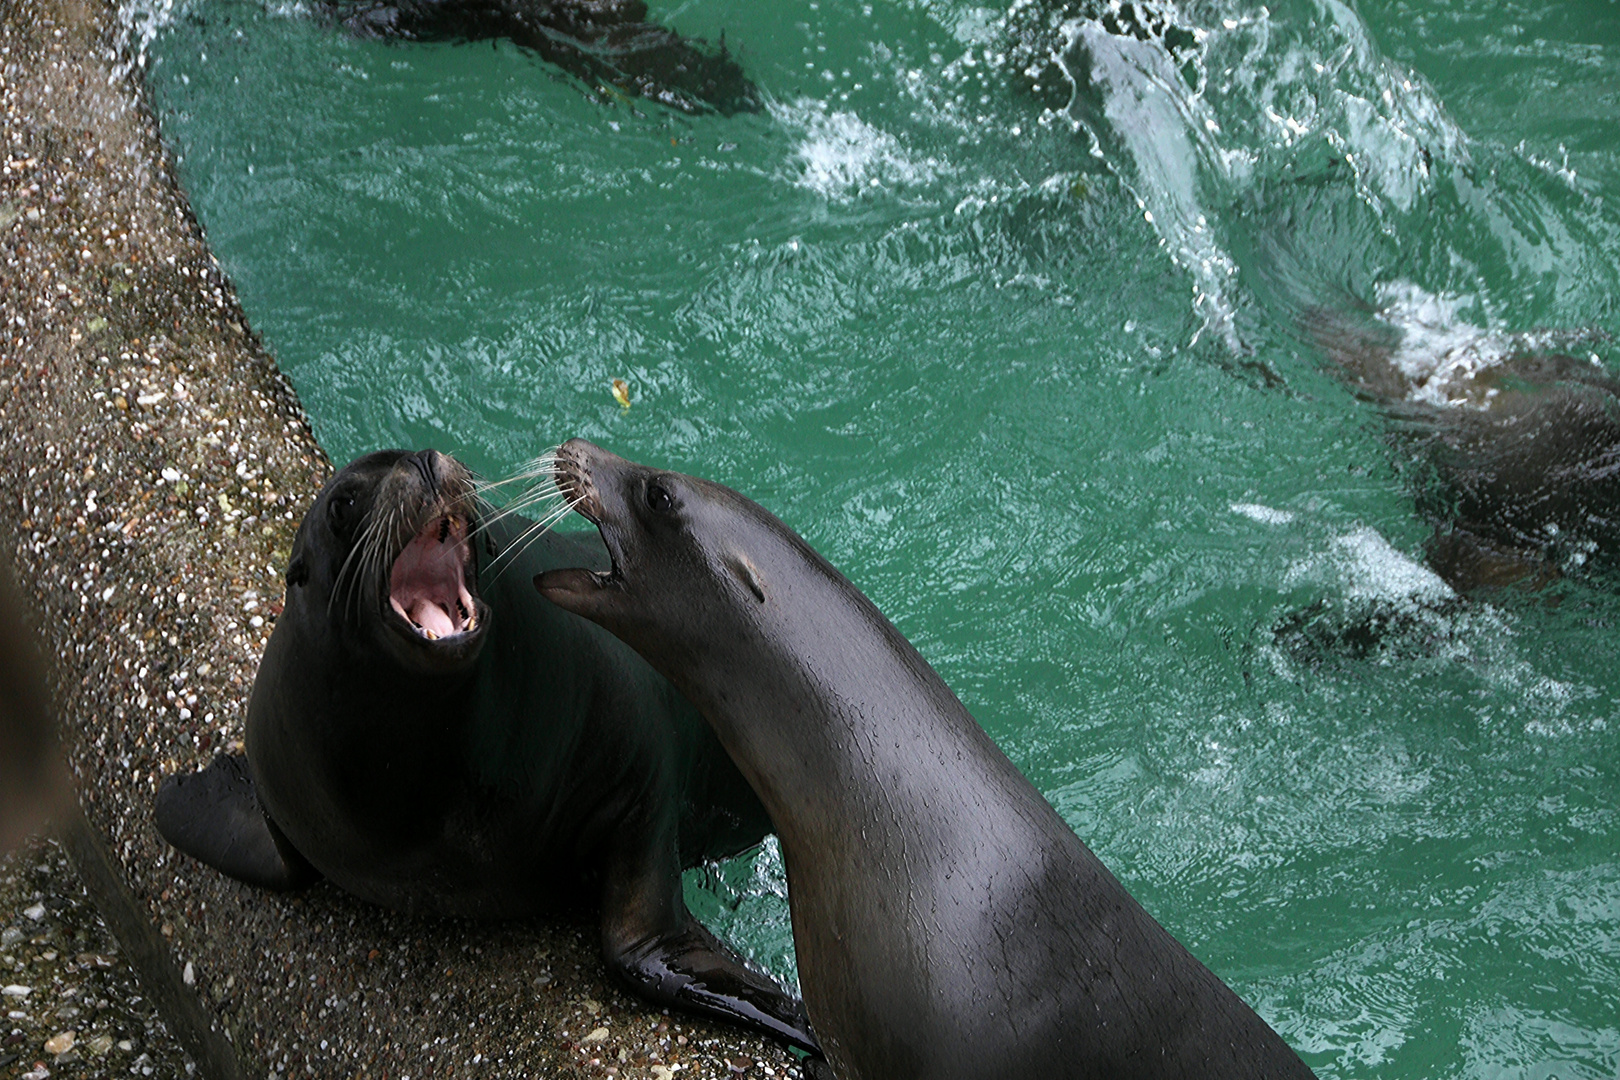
{"points": [[431, 616]]}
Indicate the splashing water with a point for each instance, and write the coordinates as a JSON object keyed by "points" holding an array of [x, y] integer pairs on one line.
{"points": [[1067, 418]]}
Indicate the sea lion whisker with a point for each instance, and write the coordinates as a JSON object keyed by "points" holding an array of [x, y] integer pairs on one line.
{"points": [[378, 546], [530, 471], [366, 547], [529, 536], [483, 485], [386, 539], [343, 571], [350, 582], [525, 539], [518, 506], [528, 498], [525, 479]]}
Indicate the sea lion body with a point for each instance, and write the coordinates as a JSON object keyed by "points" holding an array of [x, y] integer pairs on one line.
{"points": [[440, 740], [948, 923], [492, 795], [602, 42], [1517, 448]]}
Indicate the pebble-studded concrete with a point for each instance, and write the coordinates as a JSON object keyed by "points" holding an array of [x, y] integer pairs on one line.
{"points": [[153, 465], [73, 1007]]}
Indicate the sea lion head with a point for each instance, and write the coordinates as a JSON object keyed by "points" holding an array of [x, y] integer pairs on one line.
{"points": [[385, 560], [664, 531]]}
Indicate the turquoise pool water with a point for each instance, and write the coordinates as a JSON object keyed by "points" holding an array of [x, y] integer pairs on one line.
{"points": [[1027, 364]]}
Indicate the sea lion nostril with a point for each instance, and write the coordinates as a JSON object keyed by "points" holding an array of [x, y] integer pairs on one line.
{"points": [[423, 463]]}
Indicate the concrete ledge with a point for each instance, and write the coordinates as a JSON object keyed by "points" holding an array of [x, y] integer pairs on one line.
{"points": [[153, 465]]}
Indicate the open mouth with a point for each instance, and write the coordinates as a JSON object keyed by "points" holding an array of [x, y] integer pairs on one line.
{"points": [[428, 584]]}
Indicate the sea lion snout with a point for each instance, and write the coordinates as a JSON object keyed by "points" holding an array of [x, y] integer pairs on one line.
{"points": [[572, 472]]}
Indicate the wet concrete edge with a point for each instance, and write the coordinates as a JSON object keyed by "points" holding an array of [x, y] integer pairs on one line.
{"points": [[153, 466], [144, 949]]}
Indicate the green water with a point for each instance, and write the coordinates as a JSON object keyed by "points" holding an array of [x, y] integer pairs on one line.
{"points": [[1029, 372]]}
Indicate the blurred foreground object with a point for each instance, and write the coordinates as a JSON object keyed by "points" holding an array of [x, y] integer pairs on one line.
{"points": [[33, 782]]}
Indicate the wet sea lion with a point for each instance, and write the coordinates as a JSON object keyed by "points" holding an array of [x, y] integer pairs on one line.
{"points": [[948, 924], [430, 735], [599, 41], [1516, 445]]}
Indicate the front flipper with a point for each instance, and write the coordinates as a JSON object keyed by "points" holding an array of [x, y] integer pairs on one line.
{"points": [[215, 817], [689, 967], [651, 942]]}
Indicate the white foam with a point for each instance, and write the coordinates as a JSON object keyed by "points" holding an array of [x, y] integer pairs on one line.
{"points": [[1168, 132], [1256, 94], [840, 155], [1364, 566], [1440, 352], [139, 24], [1263, 514]]}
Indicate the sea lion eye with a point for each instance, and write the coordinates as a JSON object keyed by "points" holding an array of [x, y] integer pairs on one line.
{"points": [[340, 512], [659, 498]]}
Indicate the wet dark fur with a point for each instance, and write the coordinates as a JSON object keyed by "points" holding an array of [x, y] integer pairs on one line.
{"points": [[1522, 486], [603, 42], [509, 770], [948, 924]]}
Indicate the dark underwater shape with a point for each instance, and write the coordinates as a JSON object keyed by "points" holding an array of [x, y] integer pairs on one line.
{"points": [[1520, 475], [33, 783], [603, 42]]}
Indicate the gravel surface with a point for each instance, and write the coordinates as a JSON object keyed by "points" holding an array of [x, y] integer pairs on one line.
{"points": [[73, 1007], [153, 466]]}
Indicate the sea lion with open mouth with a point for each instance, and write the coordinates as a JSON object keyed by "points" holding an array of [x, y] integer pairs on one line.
{"points": [[948, 924], [430, 735]]}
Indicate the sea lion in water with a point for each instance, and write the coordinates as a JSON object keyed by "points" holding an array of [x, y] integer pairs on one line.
{"points": [[431, 736], [948, 923], [1517, 444], [600, 41]]}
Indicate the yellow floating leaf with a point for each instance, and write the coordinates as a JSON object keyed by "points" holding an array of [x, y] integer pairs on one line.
{"points": [[621, 392]]}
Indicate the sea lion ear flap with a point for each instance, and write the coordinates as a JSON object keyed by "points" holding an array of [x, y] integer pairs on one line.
{"points": [[297, 572], [748, 574]]}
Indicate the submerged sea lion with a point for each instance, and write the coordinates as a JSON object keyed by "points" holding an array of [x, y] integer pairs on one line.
{"points": [[431, 736], [1517, 445], [600, 41], [948, 923]]}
